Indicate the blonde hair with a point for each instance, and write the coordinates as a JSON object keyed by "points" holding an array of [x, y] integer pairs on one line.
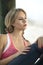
{"points": [[10, 19]]}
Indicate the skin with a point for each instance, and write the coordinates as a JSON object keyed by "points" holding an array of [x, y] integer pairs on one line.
{"points": [[17, 38], [20, 25]]}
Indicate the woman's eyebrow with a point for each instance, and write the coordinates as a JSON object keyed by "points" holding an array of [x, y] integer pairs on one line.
{"points": [[22, 18]]}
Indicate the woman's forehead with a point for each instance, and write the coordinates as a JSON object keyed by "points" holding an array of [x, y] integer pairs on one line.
{"points": [[21, 14]]}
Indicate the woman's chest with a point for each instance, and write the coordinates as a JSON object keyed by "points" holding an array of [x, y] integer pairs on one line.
{"points": [[19, 44]]}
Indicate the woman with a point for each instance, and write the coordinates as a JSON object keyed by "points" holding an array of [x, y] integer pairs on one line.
{"points": [[13, 43]]}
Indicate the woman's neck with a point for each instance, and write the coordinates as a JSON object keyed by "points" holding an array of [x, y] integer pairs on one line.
{"points": [[17, 33]]}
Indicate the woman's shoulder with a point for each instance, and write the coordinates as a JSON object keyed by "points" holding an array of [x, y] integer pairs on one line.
{"points": [[3, 38]]}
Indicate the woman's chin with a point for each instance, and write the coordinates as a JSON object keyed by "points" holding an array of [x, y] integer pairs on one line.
{"points": [[24, 28]]}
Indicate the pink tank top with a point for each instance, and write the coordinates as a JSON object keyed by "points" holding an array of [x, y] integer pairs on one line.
{"points": [[10, 50]]}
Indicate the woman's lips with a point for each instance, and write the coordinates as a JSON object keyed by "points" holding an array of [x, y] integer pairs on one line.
{"points": [[25, 24]]}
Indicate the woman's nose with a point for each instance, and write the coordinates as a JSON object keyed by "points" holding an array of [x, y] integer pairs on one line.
{"points": [[24, 20]]}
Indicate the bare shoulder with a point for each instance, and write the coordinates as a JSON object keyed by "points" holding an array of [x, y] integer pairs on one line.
{"points": [[3, 38]]}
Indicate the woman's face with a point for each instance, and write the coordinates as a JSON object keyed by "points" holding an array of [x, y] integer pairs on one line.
{"points": [[20, 22]]}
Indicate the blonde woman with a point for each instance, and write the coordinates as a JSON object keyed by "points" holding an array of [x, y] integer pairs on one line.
{"points": [[13, 44]]}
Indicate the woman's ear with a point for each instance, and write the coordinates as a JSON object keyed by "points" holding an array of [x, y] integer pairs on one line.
{"points": [[12, 25]]}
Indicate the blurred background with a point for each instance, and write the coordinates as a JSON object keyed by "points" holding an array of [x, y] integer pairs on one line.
{"points": [[34, 10], [5, 6]]}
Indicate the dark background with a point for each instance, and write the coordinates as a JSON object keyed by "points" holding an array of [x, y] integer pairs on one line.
{"points": [[5, 6]]}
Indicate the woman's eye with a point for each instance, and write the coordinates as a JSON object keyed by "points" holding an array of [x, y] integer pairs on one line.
{"points": [[20, 19]]}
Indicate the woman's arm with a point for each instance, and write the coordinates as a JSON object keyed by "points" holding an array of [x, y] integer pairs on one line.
{"points": [[8, 59], [29, 58], [3, 40], [2, 45]]}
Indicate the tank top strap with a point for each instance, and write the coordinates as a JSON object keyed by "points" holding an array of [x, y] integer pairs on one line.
{"points": [[10, 37], [7, 44]]}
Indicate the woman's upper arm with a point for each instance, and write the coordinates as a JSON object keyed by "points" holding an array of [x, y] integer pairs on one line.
{"points": [[2, 43]]}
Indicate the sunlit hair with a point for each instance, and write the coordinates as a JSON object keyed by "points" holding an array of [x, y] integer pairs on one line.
{"points": [[10, 19]]}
